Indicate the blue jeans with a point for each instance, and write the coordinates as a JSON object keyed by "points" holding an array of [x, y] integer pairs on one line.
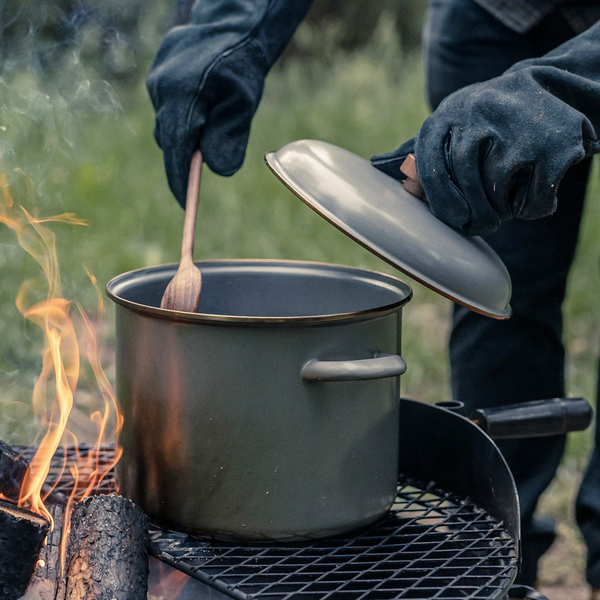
{"points": [[522, 359]]}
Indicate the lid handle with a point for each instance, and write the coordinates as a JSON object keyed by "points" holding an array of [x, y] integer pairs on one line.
{"points": [[412, 184]]}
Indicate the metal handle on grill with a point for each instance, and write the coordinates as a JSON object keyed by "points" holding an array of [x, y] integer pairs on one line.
{"points": [[535, 419], [383, 365], [524, 592]]}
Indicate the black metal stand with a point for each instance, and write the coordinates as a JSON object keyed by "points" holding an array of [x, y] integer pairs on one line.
{"points": [[518, 592]]}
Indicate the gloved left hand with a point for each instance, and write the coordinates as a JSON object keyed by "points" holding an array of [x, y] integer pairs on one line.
{"points": [[499, 149], [208, 77]]}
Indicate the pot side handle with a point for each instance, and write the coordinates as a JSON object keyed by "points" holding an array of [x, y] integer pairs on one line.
{"points": [[383, 365]]}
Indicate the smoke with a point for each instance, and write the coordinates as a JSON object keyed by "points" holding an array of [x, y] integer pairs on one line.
{"points": [[61, 64], [47, 89]]}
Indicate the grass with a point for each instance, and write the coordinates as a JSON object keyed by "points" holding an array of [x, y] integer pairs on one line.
{"points": [[104, 165]]}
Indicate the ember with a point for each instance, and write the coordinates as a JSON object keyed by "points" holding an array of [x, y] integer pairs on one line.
{"points": [[167, 583]]}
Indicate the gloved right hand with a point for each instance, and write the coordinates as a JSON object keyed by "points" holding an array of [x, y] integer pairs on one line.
{"points": [[208, 77], [499, 149]]}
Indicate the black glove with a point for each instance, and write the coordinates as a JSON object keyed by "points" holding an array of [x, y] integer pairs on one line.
{"points": [[208, 77], [499, 149]]}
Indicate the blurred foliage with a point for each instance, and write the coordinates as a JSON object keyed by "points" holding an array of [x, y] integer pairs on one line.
{"points": [[331, 25], [115, 36], [119, 36]]}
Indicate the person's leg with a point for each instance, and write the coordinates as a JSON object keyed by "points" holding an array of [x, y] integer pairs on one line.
{"points": [[463, 44], [588, 509], [500, 362]]}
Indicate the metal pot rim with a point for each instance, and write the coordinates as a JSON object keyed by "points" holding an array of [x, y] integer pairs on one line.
{"points": [[172, 315]]}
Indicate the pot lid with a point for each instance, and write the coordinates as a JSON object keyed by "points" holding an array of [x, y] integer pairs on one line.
{"points": [[377, 212]]}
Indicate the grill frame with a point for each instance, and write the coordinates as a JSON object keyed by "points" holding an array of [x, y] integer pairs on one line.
{"points": [[480, 502]]}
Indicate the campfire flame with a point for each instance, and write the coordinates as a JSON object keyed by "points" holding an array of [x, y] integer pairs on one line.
{"points": [[165, 582], [53, 393]]}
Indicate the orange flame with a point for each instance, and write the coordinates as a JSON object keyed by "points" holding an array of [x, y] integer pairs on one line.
{"points": [[61, 356], [53, 393], [167, 582]]}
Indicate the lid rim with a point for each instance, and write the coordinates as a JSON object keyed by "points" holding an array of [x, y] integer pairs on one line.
{"points": [[279, 172]]}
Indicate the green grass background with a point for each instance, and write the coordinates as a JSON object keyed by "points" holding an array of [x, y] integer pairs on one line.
{"points": [[103, 164], [105, 167]]}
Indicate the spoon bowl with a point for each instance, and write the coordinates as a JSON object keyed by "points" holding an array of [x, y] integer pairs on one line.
{"points": [[183, 292]]}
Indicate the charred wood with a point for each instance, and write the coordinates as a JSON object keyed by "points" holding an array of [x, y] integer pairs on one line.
{"points": [[106, 547], [22, 536], [13, 467], [48, 582], [107, 550], [12, 471]]}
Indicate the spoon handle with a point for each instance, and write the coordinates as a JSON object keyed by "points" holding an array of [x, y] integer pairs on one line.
{"points": [[191, 207]]}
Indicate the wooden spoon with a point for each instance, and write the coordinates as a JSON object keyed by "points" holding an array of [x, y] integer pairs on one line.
{"points": [[183, 292]]}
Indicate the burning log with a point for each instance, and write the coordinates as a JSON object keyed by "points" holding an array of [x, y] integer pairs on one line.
{"points": [[12, 471], [106, 547], [107, 550], [22, 536], [48, 581], [47, 569], [106, 553]]}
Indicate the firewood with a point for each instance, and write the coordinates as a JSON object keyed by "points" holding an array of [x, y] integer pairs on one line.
{"points": [[48, 582], [22, 536], [12, 471], [107, 550], [107, 545]]}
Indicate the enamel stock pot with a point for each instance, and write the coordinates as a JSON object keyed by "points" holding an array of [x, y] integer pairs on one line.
{"points": [[272, 412]]}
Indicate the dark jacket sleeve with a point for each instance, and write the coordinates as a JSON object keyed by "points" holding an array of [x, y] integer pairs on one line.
{"points": [[571, 73], [208, 77]]}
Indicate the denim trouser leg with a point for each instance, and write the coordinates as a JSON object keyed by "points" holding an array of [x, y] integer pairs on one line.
{"points": [[500, 362], [588, 509], [495, 362]]}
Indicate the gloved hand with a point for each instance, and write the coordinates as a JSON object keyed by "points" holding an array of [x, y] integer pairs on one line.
{"points": [[208, 77], [499, 149]]}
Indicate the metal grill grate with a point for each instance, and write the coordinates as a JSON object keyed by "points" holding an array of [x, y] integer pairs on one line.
{"points": [[433, 544], [66, 457]]}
